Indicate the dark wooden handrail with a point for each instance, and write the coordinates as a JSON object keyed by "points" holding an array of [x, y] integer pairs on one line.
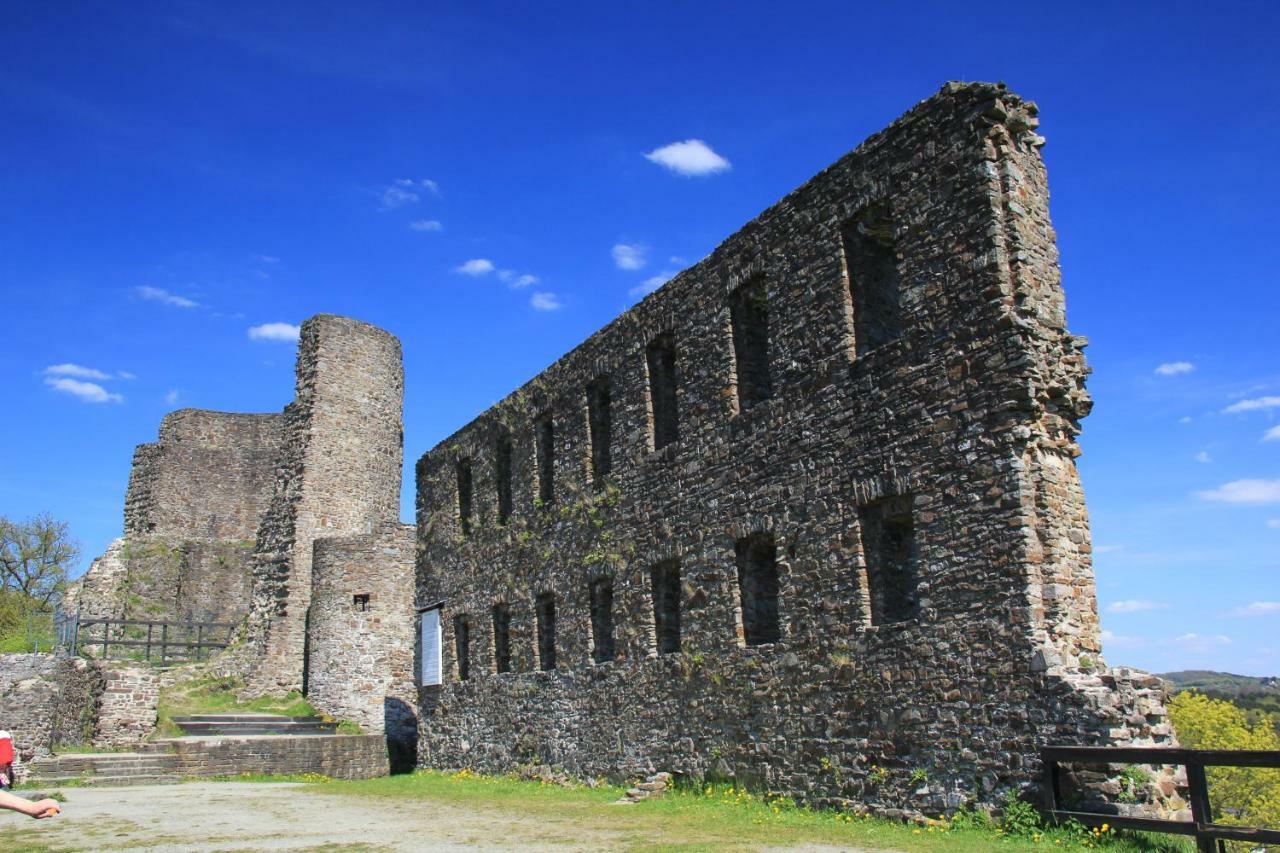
{"points": [[1208, 835], [166, 645]]}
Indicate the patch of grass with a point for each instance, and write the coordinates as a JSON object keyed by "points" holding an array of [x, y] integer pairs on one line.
{"points": [[724, 817], [212, 695], [309, 778]]}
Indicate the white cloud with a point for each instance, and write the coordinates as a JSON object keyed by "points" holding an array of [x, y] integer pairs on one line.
{"points": [[629, 256], [396, 196], [425, 183], [1272, 434], [1256, 404], [476, 267], [426, 225], [90, 392], [1244, 492], [76, 370], [267, 259], [650, 284], [1185, 419], [1114, 639], [1174, 368], [164, 297], [691, 157], [1197, 643], [171, 397], [1134, 606], [1273, 523], [1107, 549], [1203, 457], [274, 332], [517, 280], [1258, 608], [544, 301], [124, 374]]}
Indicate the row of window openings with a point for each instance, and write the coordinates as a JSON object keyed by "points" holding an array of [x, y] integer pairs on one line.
{"points": [[889, 548], [871, 262]]}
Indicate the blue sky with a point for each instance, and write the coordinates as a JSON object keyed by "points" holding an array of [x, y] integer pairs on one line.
{"points": [[175, 176]]}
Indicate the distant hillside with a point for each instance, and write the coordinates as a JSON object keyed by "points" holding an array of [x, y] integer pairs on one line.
{"points": [[1224, 684]]}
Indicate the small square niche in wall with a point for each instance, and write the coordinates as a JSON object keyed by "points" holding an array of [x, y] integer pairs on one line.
{"points": [[360, 601]]}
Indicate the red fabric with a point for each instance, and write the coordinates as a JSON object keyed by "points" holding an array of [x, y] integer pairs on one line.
{"points": [[6, 752]]}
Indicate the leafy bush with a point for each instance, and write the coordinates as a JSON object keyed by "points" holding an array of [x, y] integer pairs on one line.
{"points": [[1239, 795]]}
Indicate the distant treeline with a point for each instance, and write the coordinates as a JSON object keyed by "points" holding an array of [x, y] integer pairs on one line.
{"points": [[1254, 696]]}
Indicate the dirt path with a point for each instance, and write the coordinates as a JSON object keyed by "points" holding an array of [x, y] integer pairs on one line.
{"points": [[225, 816]]}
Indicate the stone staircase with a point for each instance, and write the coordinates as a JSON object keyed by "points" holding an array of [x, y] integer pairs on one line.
{"points": [[160, 762], [243, 725]]}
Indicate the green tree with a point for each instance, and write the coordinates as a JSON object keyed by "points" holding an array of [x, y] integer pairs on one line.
{"points": [[35, 556], [1240, 795]]}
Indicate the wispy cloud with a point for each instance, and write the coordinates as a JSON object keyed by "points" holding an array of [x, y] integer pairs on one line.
{"points": [[475, 267], [407, 191], [1199, 643], [1258, 608], [1272, 434], [171, 396], [1253, 405], [1175, 368], [267, 259], [77, 370], [1203, 457], [691, 157], [164, 297], [545, 301], [650, 284], [89, 392], [1134, 606], [124, 374], [426, 225], [286, 332], [1113, 639], [1244, 492], [629, 256], [1107, 549], [517, 280], [1273, 523]]}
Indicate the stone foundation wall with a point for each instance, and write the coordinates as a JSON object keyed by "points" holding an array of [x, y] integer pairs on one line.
{"points": [[846, 550], [46, 699], [127, 709], [336, 756], [361, 634]]}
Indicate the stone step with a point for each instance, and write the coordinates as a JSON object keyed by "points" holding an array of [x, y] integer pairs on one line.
{"points": [[248, 718], [99, 781], [205, 725]]}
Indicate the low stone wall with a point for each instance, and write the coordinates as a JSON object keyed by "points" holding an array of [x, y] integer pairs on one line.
{"points": [[336, 756], [127, 710], [44, 699]]}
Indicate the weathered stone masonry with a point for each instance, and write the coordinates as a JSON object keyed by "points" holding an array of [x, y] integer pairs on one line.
{"points": [[809, 515]]}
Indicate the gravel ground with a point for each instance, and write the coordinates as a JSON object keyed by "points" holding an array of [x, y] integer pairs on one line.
{"points": [[228, 816]]}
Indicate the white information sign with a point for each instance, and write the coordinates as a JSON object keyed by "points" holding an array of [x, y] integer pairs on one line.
{"points": [[431, 641]]}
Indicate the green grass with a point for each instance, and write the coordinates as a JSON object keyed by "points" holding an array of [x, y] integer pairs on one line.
{"points": [[219, 696], [721, 817]]}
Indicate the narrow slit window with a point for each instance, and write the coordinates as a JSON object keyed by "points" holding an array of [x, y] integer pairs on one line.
{"points": [[502, 638], [661, 360], [890, 551], [546, 614], [749, 320], [502, 475], [462, 646], [602, 646], [873, 288], [757, 559], [665, 580], [600, 426], [544, 441], [464, 495]]}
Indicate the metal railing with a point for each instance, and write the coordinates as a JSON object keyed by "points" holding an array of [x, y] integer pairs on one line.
{"points": [[158, 642], [1209, 836]]}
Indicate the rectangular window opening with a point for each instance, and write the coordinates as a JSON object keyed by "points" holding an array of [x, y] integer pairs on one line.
{"points": [[502, 637], [464, 495], [546, 613], [600, 426], [664, 421], [502, 475], [462, 646], [873, 289], [665, 579], [757, 559], [544, 440], [749, 320], [890, 551], [360, 601], [602, 649]]}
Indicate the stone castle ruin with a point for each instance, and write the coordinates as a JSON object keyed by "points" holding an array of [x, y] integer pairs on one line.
{"points": [[807, 517]]}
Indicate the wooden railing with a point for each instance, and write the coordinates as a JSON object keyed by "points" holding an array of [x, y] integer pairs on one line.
{"points": [[1207, 834], [159, 642]]}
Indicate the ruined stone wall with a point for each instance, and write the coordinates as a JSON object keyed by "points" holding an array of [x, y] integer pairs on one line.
{"points": [[864, 514], [126, 712], [44, 700], [361, 634], [338, 474]]}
